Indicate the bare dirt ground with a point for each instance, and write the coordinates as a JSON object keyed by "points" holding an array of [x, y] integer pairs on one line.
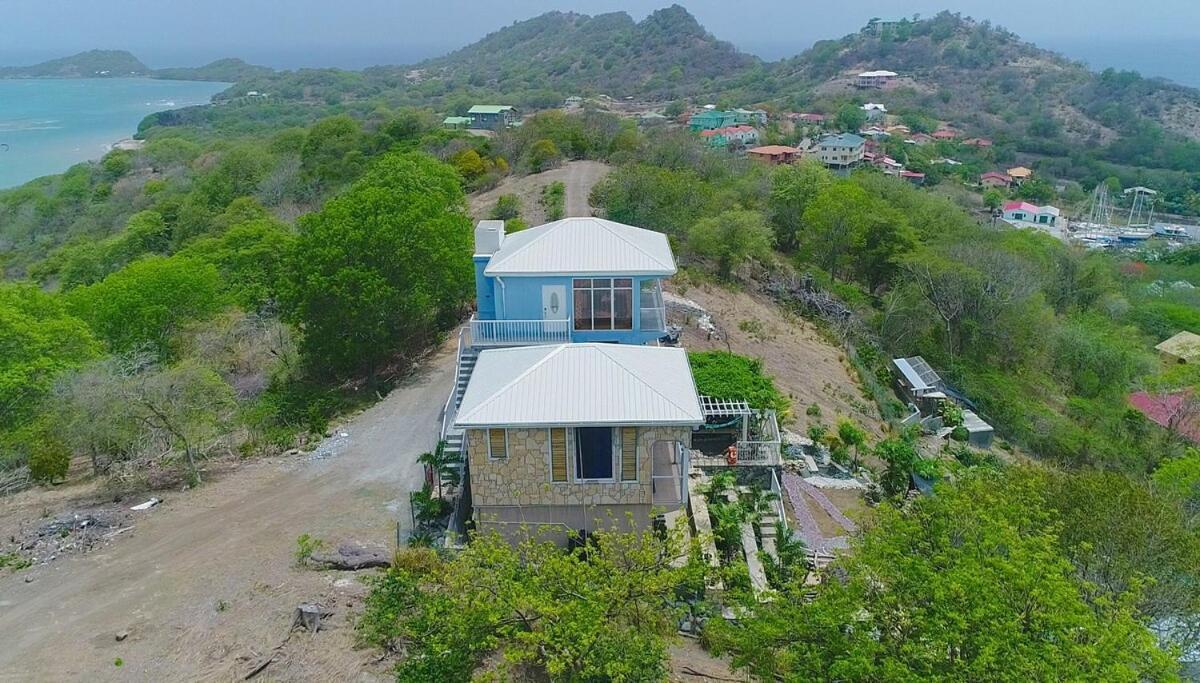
{"points": [[805, 365], [204, 585], [578, 176]]}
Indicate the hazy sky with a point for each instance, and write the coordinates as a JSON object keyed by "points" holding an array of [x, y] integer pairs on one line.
{"points": [[355, 33]]}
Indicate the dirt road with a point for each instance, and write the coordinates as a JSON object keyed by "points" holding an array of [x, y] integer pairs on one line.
{"points": [[579, 177], [204, 585]]}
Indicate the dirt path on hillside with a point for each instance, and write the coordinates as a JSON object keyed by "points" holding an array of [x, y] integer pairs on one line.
{"points": [[205, 585], [805, 365], [579, 177]]}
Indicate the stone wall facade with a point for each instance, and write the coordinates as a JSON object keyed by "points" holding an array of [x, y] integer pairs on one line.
{"points": [[523, 478]]}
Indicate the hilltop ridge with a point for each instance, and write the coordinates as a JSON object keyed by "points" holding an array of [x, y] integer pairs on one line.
{"points": [[89, 64]]}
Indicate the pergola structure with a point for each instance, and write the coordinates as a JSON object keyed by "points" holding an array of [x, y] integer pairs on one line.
{"points": [[759, 442]]}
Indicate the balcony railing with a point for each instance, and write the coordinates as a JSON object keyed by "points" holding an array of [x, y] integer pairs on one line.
{"points": [[519, 332]]}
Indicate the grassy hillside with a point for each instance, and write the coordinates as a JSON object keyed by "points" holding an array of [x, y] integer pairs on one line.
{"points": [[228, 70], [90, 64], [667, 53]]}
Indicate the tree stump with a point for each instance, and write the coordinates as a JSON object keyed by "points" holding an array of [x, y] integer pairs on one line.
{"points": [[309, 617]]}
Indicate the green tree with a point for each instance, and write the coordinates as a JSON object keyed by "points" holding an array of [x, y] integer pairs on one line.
{"points": [[144, 303], [332, 154], [899, 455], [833, 221], [967, 585], [732, 238], [382, 267], [39, 341], [508, 207], [793, 187], [852, 436], [1179, 478], [850, 117], [250, 258], [993, 198], [166, 152], [543, 154], [1036, 190], [536, 604]]}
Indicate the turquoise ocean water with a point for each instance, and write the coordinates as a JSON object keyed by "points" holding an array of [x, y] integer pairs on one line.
{"points": [[46, 126]]}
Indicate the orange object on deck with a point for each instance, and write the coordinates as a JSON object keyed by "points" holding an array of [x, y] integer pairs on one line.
{"points": [[731, 454]]}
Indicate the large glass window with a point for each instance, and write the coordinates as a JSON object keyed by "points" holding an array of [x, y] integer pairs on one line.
{"points": [[603, 303], [594, 453]]}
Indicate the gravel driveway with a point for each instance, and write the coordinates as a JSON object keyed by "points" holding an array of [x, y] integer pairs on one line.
{"points": [[204, 586]]}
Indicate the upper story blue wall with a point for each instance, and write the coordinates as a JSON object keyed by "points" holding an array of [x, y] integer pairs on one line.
{"points": [[520, 298]]}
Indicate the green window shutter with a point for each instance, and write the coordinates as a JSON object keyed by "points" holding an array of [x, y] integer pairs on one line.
{"points": [[629, 454], [558, 454], [497, 443]]}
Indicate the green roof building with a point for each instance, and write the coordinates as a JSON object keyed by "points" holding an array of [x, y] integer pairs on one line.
{"points": [[456, 122], [492, 116]]}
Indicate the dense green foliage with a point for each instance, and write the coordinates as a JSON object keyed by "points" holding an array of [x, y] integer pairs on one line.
{"points": [[721, 374], [971, 584], [600, 613], [382, 267]]}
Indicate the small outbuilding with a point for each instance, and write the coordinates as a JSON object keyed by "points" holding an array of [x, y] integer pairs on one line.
{"points": [[1182, 348]]}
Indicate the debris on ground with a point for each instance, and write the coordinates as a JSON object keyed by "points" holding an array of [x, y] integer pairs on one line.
{"points": [[331, 446], [690, 309], [351, 557], [147, 505], [309, 616], [70, 533]]}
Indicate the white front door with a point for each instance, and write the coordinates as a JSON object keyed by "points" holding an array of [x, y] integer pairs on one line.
{"points": [[554, 308]]}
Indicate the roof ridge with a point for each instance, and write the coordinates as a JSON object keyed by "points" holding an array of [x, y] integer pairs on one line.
{"points": [[496, 394], [604, 224], [634, 375]]}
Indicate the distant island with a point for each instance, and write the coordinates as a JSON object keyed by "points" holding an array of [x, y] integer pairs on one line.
{"points": [[123, 64]]}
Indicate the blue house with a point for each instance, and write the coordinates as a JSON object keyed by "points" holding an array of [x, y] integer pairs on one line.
{"points": [[574, 280]]}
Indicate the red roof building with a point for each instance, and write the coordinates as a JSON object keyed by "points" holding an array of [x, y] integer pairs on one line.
{"points": [[1174, 412], [995, 179], [945, 134]]}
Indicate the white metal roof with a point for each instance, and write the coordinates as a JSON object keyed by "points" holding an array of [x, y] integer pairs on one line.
{"points": [[580, 384], [582, 246], [917, 373], [877, 74]]}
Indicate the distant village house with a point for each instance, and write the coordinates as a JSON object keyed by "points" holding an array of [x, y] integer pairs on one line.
{"points": [[774, 154], [875, 79], [841, 151], [874, 111], [492, 116], [1025, 213], [995, 179]]}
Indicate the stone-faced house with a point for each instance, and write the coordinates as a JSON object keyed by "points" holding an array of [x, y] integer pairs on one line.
{"points": [[575, 437]]}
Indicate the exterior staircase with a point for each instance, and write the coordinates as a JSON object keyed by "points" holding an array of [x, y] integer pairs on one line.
{"points": [[467, 356]]}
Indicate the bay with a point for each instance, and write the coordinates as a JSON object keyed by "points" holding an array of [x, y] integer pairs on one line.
{"points": [[48, 125]]}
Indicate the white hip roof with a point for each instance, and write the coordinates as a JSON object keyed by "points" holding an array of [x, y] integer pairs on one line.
{"points": [[583, 246], [581, 385]]}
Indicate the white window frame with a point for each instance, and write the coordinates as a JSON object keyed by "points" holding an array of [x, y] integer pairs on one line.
{"points": [[487, 437], [614, 455]]}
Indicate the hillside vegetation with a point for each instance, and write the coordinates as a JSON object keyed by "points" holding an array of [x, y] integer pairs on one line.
{"points": [[90, 64]]}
